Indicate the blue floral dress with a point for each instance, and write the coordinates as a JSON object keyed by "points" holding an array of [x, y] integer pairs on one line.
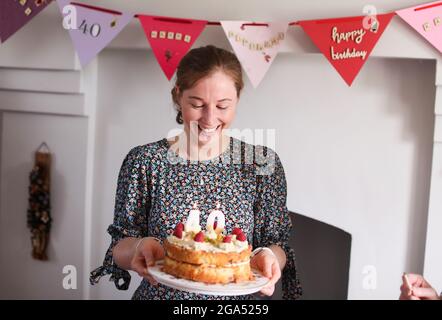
{"points": [[156, 189]]}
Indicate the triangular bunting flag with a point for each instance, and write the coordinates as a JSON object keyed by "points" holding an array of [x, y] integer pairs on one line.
{"points": [[2, 19], [170, 39], [94, 29], [255, 45], [347, 42], [427, 20], [14, 14]]}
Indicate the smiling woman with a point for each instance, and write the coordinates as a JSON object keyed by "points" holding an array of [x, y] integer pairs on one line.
{"points": [[200, 63], [207, 90], [210, 106], [154, 193]]}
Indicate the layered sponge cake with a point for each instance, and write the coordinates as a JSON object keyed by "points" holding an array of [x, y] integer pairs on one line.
{"points": [[208, 256]]}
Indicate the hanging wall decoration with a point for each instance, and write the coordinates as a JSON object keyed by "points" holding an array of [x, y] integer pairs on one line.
{"points": [[170, 39], [94, 30], [39, 216], [346, 42], [14, 14], [255, 45], [427, 21]]}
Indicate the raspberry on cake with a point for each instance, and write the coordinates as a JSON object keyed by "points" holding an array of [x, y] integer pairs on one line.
{"points": [[208, 256]]}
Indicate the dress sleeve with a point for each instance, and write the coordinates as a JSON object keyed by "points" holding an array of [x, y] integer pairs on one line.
{"points": [[272, 221], [130, 215]]}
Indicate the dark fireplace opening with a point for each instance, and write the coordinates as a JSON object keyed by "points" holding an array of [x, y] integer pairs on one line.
{"points": [[323, 259]]}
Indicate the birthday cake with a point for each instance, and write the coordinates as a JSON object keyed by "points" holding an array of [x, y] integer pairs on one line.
{"points": [[208, 256]]}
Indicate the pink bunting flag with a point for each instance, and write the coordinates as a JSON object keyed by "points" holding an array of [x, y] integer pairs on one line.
{"points": [[170, 39], [14, 14], [427, 20], [255, 45], [93, 30]]}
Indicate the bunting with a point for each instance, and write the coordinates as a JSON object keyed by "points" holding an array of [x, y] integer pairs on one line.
{"points": [[427, 21], [170, 39], [14, 14], [91, 30], [347, 42], [256, 46]]}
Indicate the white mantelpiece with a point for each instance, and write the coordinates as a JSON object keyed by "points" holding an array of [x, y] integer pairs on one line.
{"points": [[433, 252]]}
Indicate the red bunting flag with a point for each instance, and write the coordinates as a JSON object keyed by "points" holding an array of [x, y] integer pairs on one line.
{"points": [[347, 42], [170, 39]]}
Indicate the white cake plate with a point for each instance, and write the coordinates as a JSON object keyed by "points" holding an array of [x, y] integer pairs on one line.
{"points": [[230, 289]]}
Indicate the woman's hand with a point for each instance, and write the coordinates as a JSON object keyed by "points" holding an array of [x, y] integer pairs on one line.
{"points": [[148, 251], [417, 288], [268, 264]]}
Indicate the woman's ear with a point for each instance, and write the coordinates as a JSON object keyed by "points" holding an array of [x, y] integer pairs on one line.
{"points": [[178, 95]]}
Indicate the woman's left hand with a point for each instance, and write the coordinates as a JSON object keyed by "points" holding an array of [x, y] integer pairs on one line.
{"points": [[268, 264]]}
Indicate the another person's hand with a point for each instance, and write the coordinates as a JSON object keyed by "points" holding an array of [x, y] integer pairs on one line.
{"points": [[417, 288], [268, 264], [146, 254]]}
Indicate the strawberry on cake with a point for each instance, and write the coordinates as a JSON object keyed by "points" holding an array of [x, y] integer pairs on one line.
{"points": [[208, 256]]}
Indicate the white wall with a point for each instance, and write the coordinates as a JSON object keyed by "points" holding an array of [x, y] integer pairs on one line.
{"points": [[358, 158], [21, 276]]}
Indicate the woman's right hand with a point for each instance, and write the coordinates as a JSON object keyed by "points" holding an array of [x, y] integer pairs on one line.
{"points": [[149, 250]]}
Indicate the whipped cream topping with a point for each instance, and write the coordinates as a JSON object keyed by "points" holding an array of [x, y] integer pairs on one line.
{"points": [[211, 234], [192, 228], [188, 243]]}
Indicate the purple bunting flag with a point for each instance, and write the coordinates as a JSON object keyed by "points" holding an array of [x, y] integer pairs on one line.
{"points": [[92, 30]]}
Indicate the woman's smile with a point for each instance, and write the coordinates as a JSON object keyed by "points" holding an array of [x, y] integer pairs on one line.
{"points": [[206, 133]]}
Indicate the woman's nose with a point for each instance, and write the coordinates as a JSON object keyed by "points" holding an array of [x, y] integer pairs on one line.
{"points": [[209, 115]]}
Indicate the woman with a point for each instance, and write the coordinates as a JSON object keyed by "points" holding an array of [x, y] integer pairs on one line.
{"points": [[159, 182]]}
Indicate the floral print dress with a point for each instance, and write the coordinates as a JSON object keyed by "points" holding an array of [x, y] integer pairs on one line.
{"points": [[157, 188]]}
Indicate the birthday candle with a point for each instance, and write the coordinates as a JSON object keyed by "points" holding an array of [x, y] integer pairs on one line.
{"points": [[193, 221], [217, 215]]}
